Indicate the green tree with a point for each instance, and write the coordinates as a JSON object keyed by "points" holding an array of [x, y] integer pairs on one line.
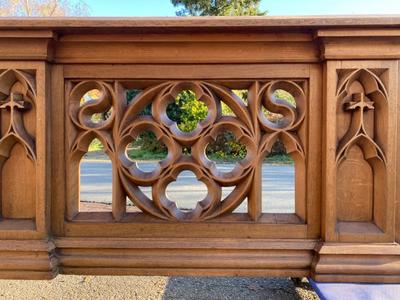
{"points": [[218, 7]]}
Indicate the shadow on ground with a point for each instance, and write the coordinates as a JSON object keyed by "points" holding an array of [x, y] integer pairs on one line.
{"points": [[236, 288]]}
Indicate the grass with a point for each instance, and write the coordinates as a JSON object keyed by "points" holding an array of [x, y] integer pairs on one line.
{"points": [[283, 159], [140, 154], [145, 155]]}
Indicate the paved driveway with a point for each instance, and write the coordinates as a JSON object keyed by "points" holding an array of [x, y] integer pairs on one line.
{"points": [[277, 186]]}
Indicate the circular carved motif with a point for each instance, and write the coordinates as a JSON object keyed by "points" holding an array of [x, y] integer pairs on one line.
{"points": [[167, 131]]}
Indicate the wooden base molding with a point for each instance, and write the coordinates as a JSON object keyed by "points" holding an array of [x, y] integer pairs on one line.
{"points": [[186, 257], [336, 262], [324, 262], [28, 259]]}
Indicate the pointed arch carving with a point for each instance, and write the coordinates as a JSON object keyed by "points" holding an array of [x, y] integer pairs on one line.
{"points": [[361, 160], [17, 143]]}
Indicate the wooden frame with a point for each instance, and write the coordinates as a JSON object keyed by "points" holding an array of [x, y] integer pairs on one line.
{"points": [[342, 133]]}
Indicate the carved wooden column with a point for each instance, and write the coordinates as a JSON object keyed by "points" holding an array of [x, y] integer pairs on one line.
{"points": [[359, 163], [24, 157]]}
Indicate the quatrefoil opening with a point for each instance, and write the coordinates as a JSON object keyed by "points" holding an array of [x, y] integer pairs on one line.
{"points": [[185, 96], [146, 145], [145, 125], [226, 151], [170, 207], [242, 140]]}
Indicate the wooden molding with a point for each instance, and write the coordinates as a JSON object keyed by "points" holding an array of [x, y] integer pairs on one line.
{"points": [[201, 256], [26, 44], [28, 259], [365, 43], [346, 262], [192, 23]]}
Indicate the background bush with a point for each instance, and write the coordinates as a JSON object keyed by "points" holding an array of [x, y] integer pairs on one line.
{"points": [[187, 112]]}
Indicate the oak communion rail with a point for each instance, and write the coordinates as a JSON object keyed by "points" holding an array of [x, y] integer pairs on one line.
{"points": [[342, 133]]}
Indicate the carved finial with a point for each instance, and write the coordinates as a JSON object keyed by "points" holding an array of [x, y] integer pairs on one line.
{"points": [[15, 101], [359, 101]]}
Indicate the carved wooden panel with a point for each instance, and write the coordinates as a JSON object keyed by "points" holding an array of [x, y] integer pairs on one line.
{"points": [[363, 192], [362, 136], [23, 143], [17, 144], [247, 122]]}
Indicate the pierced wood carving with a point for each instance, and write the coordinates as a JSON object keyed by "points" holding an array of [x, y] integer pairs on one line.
{"points": [[290, 129], [125, 123]]}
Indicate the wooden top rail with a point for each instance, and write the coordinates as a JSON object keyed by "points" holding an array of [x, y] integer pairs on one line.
{"points": [[341, 130], [245, 23]]}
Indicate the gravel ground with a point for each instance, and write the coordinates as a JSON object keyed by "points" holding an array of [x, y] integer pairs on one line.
{"points": [[155, 287]]}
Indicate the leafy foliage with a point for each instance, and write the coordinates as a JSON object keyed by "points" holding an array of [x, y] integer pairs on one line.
{"points": [[95, 145], [218, 7], [187, 111], [147, 145], [226, 147]]}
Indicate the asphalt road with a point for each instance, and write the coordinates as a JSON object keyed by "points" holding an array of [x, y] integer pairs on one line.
{"points": [[277, 186]]}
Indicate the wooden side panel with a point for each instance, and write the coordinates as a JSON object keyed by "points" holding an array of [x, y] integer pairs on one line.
{"points": [[24, 141], [18, 144], [25, 251], [360, 116]]}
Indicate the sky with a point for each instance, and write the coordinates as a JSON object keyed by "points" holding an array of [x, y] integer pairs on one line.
{"points": [[162, 8]]}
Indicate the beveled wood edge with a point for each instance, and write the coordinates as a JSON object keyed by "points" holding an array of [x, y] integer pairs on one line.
{"points": [[203, 22], [224, 72], [380, 249], [185, 272], [171, 230], [28, 33], [186, 243], [27, 245]]}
